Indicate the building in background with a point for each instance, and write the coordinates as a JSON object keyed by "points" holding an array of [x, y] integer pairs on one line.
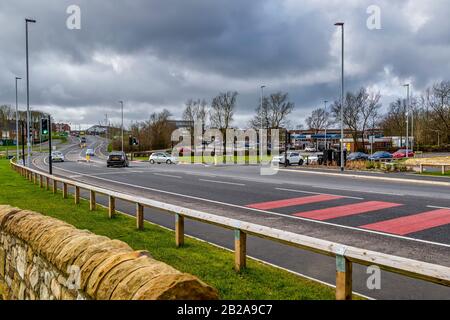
{"points": [[60, 127]]}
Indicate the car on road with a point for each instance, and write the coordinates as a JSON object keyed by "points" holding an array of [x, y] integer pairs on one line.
{"points": [[381, 155], [162, 157], [400, 154], [57, 156], [355, 156], [90, 152], [117, 159], [310, 149], [292, 158]]}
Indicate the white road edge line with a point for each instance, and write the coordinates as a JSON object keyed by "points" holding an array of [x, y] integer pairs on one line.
{"points": [[318, 193], [436, 207], [269, 212], [437, 183], [167, 175], [223, 182]]}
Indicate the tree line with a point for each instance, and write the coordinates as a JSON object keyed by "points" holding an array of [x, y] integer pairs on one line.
{"points": [[428, 112]]}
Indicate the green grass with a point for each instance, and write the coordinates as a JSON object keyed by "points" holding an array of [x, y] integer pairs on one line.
{"points": [[211, 264], [436, 173]]}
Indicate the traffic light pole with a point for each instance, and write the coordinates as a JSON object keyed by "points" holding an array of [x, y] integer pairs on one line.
{"points": [[50, 160], [23, 142]]}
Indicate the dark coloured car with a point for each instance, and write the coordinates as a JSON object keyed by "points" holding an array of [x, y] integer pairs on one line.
{"points": [[355, 156], [117, 159], [380, 155]]}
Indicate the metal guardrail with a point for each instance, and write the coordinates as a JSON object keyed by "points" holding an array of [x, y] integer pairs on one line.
{"points": [[345, 255]]}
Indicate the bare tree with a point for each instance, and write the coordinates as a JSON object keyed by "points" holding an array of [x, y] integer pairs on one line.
{"points": [[196, 111], [222, 110], [394, 122], [319, 120], [359, 109], [274, 112]]}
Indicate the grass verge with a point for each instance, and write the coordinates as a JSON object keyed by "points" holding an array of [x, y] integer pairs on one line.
{"points": [[211, 264]]}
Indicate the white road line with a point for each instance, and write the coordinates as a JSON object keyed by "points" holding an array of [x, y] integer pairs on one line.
{"points": [[355, 176], [435, 207], [267, 212], [318, 193], [223, 182], [167, 175], [365, 191]]}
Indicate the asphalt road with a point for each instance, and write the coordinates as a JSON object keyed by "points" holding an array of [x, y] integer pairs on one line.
{"points": [[405, 219]]}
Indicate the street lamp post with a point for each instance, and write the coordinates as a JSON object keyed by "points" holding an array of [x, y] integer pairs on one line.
{"points": [[28, 92], [17, 123], [407, 119], [121, 103], [262, 129], [341, 24], [326, 125]]}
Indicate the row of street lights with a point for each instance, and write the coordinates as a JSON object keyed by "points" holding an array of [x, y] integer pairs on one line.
{"points": [[27, 21]]}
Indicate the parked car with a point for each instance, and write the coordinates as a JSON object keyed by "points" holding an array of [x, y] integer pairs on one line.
{"points": [[292, 158], [117, 159], [161, 157], [400, 154], [357, 156], [310, 149], [57, 156], [380, 155], [90, 152]]}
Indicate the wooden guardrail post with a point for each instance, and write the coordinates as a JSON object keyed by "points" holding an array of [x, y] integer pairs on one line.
{"points": [[139, 216], [179, 230], [77, 195], [443, 169], [240, 250], [343, 276], [41, 181], [111, 207], [92, 202], [65, 190], [55, 186], [47, 184], [34, 175], [421, 168]]}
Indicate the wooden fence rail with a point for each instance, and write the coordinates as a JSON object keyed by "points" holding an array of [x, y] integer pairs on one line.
{"points": [[345, 255]]}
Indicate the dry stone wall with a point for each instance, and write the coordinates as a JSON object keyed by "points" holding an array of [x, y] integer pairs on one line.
{"points": [[42, 258]]}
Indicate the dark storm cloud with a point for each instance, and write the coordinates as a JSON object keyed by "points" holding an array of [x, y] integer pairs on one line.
{"points": [[156, 54]]}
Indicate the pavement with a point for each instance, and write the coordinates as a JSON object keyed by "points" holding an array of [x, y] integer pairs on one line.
{"points": [[411, 220]]}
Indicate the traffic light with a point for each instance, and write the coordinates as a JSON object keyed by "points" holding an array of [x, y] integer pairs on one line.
{"points": [[44, 126], [132, 141]]}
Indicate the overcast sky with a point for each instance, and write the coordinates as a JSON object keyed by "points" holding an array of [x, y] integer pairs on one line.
{"points": [[156, 54]]}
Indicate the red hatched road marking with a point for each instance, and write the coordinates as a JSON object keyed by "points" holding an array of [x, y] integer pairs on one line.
{"points": [[293, 202], [418, 222], [347, 210]]}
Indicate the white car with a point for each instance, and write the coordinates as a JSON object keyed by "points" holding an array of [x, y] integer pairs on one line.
{"points": [[57, 156], [90, 152], [292, 158], [161, 157]]}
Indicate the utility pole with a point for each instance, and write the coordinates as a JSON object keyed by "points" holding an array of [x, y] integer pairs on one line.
{"points": [[121, 103], [23, 142], [326, 124], [407, 119], [262, 129], [28, 93], [341, 24], [50, 160], [17, 123]]}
